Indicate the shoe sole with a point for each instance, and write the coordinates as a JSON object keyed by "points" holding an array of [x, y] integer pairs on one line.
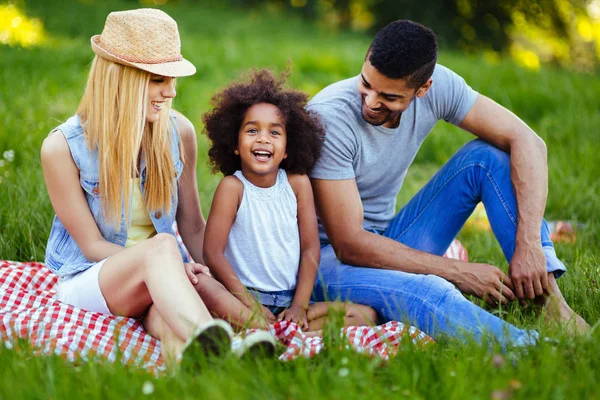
{"points": [[210, 340], [258, 344], [259, 350], [214, 341]]}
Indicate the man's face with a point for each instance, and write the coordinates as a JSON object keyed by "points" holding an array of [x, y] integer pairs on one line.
{"points": [[384, 99]]}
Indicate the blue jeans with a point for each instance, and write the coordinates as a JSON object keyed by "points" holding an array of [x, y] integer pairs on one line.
{"points": [[429, 222]]}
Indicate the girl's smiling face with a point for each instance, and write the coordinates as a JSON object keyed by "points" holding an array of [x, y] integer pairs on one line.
{"points": [[262, 143], [160, 88]]}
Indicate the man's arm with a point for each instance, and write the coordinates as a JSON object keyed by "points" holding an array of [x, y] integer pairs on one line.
{"points": [[529, 173], [340, 208]]}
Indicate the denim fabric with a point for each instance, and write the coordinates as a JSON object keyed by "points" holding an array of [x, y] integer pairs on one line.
{"points": [[276, 299], [429, 222], [63, 255], [276, 310], [477, 172]]}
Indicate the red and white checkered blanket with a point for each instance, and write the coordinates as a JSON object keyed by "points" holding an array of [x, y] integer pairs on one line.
{"points": [[29, 311]]}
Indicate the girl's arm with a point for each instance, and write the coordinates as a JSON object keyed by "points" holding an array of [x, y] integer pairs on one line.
{"points": [[310, 251], [222, 215], [68, 200], [190, 221]]}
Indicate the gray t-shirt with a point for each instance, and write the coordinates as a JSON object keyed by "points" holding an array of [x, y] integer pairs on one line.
{"points": [[378, 157]]}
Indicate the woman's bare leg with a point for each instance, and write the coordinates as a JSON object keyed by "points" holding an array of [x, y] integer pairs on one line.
{"points": [[223, 304], [171, 345], [152, 273], [354, 314]]}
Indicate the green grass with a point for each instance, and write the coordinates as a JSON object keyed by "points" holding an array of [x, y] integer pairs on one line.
{"points": [[41, 86]]}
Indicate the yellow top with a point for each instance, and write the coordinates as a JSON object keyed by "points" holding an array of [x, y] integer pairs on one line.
{"points": [[141, 225]]}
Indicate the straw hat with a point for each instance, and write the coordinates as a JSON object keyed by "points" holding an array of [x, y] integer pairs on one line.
{"points": [[147, 39]]}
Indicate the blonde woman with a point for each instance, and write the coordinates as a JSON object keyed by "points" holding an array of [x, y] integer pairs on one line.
{"points": [[119, 173]]}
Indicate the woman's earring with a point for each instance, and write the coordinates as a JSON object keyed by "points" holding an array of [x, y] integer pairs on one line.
{"points": [[236, 152]]}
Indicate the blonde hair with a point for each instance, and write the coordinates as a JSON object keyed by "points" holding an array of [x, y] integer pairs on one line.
{"points": [[113, 117]]}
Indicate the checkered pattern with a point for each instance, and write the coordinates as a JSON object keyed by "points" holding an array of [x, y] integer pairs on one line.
{"points": [[457, 251], [29, 311], [382, 340]]}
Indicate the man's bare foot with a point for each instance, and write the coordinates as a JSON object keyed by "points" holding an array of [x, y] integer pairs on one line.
{"points": [[557, 311]]}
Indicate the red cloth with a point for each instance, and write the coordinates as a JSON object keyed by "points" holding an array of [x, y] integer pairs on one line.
{"points": [[28, 310]]}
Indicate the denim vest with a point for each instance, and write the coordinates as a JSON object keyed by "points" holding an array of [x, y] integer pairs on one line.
{"points": [[63, 255]]}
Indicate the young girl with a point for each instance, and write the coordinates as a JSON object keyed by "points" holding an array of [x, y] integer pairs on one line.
{"points": [[119, 173], [261, 237]]}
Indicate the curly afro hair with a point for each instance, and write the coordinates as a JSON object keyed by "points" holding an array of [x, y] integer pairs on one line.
{"points": [[304, 131], [405, 50]]}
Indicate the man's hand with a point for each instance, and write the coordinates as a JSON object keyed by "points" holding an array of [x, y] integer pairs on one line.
{"points": [[528, 273], [193, 269], [295, 314], [486, 282]]}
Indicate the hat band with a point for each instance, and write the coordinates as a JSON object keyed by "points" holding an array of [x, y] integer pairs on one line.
{"points": [[145, 61], [137, 59]]}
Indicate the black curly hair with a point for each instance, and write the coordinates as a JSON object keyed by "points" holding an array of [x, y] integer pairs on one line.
{"points": [[304, 131], [405, 50]]}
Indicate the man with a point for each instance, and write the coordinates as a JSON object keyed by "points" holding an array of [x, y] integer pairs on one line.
{"points": [[375, 125]]}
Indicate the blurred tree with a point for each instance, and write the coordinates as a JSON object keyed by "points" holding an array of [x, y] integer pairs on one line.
{"points": [[560, 32], [16, 29], [533, 32]]}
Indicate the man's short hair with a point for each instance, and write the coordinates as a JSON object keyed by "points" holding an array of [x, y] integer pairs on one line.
{"points": [[405, 50]]}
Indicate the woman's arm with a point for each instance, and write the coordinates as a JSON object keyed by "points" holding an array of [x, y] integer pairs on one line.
{"points": [[190, 221], [222, 215], [68, 200], [310, 251]]}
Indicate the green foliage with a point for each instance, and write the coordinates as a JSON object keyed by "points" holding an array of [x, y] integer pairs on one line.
{"points": [[445, 371], [41, 86], [559, 32]]}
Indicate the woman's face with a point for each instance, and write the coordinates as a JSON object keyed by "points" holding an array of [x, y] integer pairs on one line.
{"points": [[160, 88]]}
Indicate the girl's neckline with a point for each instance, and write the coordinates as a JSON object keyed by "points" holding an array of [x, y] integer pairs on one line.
{"points": [[265, 192], [277, 178]]}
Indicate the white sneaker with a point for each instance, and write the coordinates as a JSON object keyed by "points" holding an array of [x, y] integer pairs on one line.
{"points": [[255, 344], [211, 339]]}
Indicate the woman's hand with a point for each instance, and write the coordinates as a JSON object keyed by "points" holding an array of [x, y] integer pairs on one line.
{"points": [[295, 314], [193, 269]]}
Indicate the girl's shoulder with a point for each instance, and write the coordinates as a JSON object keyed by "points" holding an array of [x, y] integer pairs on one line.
{"points": [[231, 183], [297, 178], [230, 188], [298, 182]]}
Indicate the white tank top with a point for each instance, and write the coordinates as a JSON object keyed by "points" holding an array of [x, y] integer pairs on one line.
{"points": [[264, 242]]}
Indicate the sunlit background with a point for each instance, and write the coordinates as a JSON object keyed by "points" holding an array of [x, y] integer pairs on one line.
{"points": [[540, 59], [533, 32], [16, 29]]}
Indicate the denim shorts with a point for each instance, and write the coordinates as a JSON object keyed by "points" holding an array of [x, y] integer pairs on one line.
{"points": [[276, 301]]}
